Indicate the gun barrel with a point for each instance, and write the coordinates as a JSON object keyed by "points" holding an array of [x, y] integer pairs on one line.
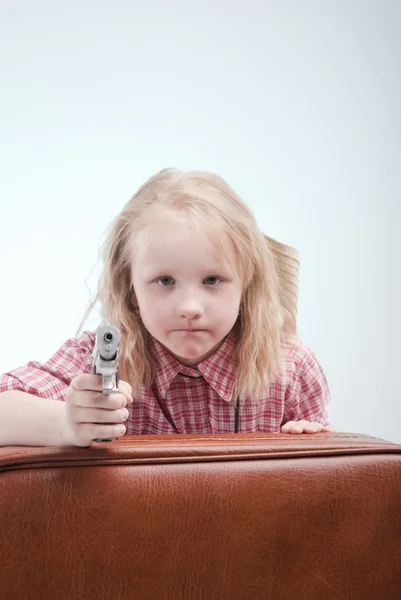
{"points": [[105, 360]]}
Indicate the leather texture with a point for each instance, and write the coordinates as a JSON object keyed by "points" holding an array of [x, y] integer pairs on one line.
{"points": [[203, 517]]}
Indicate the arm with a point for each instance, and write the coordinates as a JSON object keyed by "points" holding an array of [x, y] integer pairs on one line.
{"points": [[307, 396], [32, 407], [26, 420]]}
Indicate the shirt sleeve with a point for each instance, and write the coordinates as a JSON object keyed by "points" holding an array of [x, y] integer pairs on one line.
{"points": [[52, 378], [308, 395]]}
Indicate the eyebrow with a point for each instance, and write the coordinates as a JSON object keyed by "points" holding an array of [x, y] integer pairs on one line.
{"points": [[215, 269], [149, 270]]}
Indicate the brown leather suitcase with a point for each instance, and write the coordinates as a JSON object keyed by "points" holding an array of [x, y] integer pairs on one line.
{"points": [[203, 517]]}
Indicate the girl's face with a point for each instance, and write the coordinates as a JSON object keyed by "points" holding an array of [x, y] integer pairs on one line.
{"points": [[187, 293]]}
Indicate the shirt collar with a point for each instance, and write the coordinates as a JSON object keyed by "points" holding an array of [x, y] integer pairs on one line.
{"points": [[218, 370]]}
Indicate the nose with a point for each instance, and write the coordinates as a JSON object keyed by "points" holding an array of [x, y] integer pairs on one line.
{"points": [[189, 308]]}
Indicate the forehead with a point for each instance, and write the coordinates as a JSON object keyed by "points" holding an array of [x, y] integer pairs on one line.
{"points": [[169, 242]]}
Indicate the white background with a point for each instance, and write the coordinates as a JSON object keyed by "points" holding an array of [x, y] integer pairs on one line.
{"points": [[295, 103]]}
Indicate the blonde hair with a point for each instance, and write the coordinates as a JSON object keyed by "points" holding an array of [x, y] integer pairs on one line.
{"points": [[264, 326]]}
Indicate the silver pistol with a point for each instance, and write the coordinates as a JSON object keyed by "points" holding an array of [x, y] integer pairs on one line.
{"points": [[105, 361]]}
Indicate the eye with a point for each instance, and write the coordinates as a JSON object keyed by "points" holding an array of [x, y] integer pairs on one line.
{"points": [[169, 281], [212, 277], [164, 281]]}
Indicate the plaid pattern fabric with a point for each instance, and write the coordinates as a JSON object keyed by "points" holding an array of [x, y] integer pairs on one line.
{"points": [[190, 399]]}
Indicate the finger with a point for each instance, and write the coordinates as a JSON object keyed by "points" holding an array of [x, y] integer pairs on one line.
{"points": [[304, 426], [92, 383], [125, 389], [96, 400], [99, 415], [312, 427], [286, 428], [297, 427], [86, 433], [327, 428], [86, 382]]}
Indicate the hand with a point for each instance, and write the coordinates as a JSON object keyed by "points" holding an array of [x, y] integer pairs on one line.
{"points": [[90, 415], [305, 427]]}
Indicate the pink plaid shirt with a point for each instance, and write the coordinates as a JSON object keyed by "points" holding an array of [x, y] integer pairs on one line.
{"points": [[190, 399]]}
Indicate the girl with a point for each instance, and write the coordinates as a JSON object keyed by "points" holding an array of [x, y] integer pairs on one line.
{"points": [[206, 306]]}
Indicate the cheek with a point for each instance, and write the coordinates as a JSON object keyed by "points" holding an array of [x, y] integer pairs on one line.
{"points": [[231, 301], [153, 310]]}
